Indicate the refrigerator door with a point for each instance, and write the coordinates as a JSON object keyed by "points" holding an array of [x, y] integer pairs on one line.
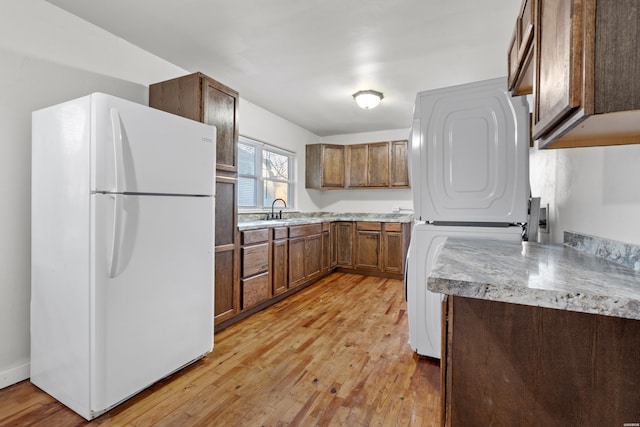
{"points": [[137, 149], [470, 147], [424, 308], [152, 287]]}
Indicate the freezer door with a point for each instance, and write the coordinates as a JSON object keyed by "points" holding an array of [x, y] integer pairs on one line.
{"points": [[138, 149], [470, 147], [424, 308], [152, 290]]}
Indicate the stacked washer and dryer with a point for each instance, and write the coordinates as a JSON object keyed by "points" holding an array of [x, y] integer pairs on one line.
{"points": [[470, 178]]}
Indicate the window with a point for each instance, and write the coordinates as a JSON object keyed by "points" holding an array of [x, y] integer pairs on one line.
{"points": [[264, 175]]}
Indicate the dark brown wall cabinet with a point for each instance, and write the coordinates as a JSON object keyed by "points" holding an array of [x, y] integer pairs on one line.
{"points": [[586, 71], [520, 53], [368, 165], [203, 99], [373, 165], [324, 166]]}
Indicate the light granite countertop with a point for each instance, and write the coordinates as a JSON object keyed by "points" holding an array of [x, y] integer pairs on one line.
{"points": [[316, 218], [551, 276]]}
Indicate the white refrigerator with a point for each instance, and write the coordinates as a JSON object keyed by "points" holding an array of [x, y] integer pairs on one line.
{"points": [[470, 178], [122, 249]]}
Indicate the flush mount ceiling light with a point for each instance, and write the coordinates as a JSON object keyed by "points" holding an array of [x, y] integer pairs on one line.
{"points": [[368, 99]]}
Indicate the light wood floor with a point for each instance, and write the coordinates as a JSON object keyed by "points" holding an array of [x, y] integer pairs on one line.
{"points": [[334, 354]]}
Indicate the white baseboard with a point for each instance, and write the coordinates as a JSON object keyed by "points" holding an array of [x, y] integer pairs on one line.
{"points": [[14, 375]]}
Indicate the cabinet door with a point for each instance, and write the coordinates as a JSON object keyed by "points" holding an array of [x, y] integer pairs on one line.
{"points": [[512, 58], [392, 252], [333, 249], [326, 251], [558, 84], [378, 164], [356, 164], [221, 110], [332, 166], [296, 261], [313, 256], [344, 244], [368, 244], [399, 164], [226, 300], [280, 266], [324, 166], [227, 297]]}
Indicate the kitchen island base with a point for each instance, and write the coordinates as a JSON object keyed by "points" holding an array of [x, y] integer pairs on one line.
{"points": [[511, 364]]}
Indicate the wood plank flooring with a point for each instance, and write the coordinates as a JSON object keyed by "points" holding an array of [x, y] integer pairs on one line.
{"points": [[334, 354]]}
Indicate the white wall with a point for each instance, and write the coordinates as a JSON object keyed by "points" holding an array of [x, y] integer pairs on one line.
{"points": [[370, 200], [594, 190]]}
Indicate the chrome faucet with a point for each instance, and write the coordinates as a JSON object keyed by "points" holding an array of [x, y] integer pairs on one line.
{"points": [[273, 215]]}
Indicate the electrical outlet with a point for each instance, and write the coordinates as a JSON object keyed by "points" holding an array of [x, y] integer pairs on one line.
{"points": [[544, 219]]}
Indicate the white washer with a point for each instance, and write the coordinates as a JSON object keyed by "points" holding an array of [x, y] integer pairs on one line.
{"points": [[425, 307]]}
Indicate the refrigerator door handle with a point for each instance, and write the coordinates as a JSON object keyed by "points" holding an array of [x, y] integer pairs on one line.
{"points": [[118, 145], [117, 234]]}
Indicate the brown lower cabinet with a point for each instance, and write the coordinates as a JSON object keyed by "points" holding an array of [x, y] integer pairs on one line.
{"points": [[255, 254], [378, 248], [276, 262], [367, 246], [305, 253], [510, 364]]}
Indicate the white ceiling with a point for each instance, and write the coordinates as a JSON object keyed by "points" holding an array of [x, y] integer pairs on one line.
{"points": [[303, 59]]}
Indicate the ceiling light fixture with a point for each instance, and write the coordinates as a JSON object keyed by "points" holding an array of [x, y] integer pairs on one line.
{"points": [[368, 99]]}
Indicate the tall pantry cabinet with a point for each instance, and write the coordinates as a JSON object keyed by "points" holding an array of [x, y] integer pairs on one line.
{"points": [[203, 99]]}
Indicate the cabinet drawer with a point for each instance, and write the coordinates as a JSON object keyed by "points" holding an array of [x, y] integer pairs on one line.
{"points": [[392, 226], [368, 226], [255, 236], [255, 290], [255, 259], [280, 233], [305, 230]]}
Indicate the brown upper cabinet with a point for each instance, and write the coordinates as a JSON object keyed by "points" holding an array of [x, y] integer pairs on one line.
{"points": [[201, 98], [586, 71], [520, 53], [324, 166], [367, 165], [399, 164], [372, 165]]}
